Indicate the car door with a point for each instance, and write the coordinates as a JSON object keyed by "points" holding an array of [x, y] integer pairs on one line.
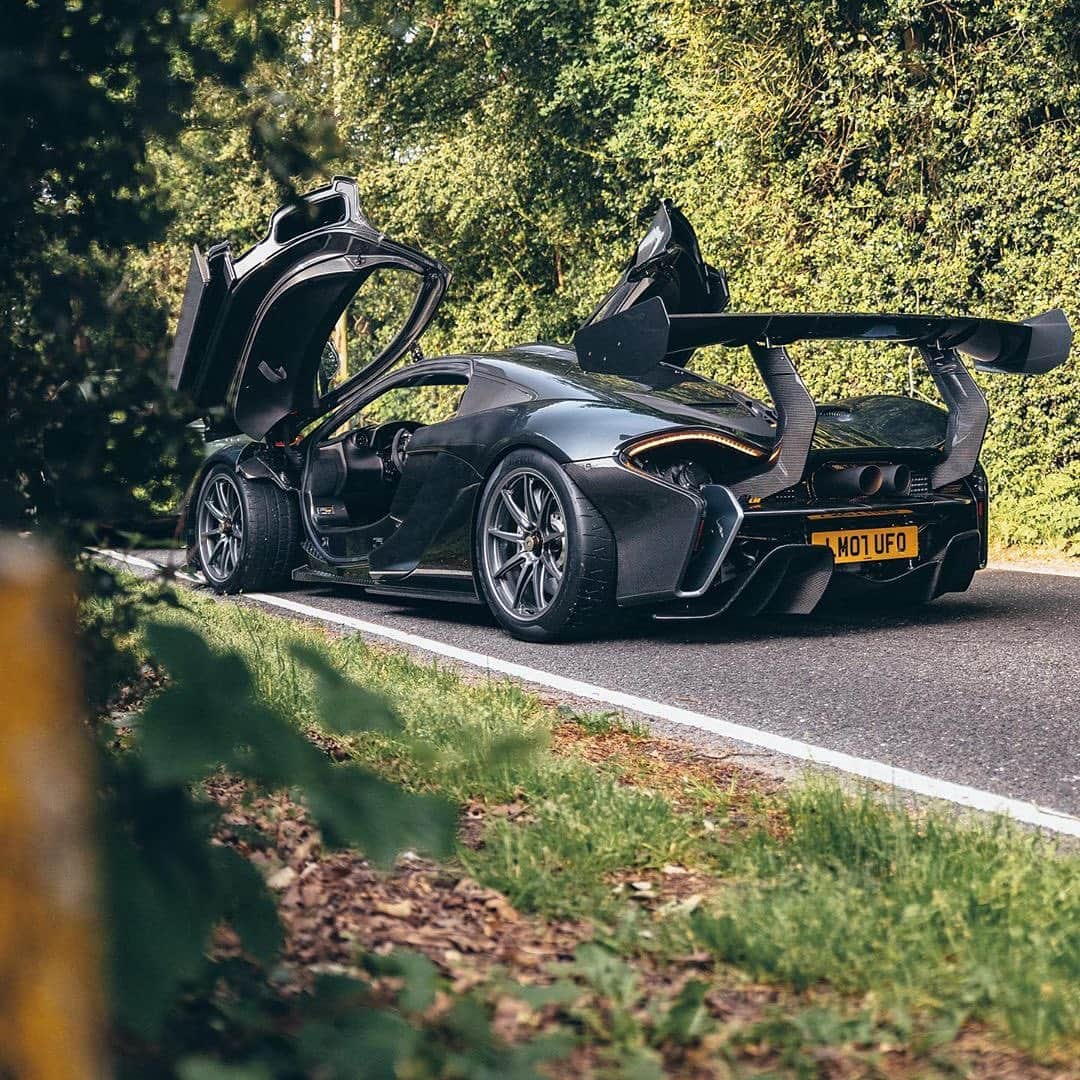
{"points": [[252, 330], [668, 264], [431, 507]]}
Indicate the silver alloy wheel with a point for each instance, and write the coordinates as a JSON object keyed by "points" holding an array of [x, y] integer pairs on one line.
{"points": [[524, 544], [221, 528]]}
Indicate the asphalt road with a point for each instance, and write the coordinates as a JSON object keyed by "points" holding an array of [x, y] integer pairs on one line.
{"points": [[980, 688]]}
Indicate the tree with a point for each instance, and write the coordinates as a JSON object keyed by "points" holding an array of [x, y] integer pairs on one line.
{"points": [[91, 438], [868, 156]]}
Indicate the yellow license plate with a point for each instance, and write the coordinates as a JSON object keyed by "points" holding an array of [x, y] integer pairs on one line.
{"points": [[870, 545]]}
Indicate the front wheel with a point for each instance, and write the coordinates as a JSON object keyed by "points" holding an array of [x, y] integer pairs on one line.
{"points": [[545, 556], [247, 533]]}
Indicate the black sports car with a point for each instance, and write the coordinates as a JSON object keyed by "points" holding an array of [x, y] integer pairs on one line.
{"points": [[558, 484]]}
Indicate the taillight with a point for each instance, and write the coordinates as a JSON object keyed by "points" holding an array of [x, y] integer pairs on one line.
{"points": [[692, 458], [655, 442]]}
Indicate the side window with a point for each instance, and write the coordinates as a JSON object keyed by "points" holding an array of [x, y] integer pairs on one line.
{"points": [[430, 401], [373, 318], [490, 392], [307, 216]]}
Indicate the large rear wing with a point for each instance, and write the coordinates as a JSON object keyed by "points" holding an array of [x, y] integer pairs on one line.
{"points": [[642, 337]]}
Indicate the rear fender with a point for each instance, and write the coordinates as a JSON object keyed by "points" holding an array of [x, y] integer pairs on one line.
{"points": [[522, 441]]}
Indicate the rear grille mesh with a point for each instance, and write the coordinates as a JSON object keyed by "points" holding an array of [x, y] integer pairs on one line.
{"points": [[800, 494]]}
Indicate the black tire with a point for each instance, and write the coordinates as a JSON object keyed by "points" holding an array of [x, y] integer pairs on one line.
{"points": [[572, 589], [268, 547]]}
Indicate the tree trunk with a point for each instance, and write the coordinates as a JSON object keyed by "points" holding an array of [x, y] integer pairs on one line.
{"points": [[339, 338]]}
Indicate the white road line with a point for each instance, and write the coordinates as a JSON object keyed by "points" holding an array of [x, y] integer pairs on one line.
{"points": [[879, 772], [1032, 568], [135, 560]]}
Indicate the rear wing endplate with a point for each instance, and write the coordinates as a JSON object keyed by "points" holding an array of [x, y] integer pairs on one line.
{"points": [[641, 338]]}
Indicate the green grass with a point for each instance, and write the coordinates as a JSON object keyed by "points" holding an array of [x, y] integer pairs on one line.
{"points": [[979, 920], [603, 723], [480, 740], [917, 915]]}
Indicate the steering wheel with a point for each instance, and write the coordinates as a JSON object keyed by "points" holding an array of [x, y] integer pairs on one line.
{"points": [[399, 448]]}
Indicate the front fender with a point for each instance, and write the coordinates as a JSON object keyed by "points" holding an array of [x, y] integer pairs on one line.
{"points": [[221, 452]]}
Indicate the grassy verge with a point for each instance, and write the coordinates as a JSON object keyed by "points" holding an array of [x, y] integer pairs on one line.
{"points": [[1060, 557], [729, 925]]}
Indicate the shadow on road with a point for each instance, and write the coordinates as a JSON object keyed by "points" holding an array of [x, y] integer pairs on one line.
{"points": [[635, 626]]}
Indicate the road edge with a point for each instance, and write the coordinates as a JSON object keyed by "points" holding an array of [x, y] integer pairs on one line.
{"points": [[890, 776]]}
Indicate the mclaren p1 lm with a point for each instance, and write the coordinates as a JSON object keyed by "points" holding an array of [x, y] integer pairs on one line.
{"points": [[562, 484]]}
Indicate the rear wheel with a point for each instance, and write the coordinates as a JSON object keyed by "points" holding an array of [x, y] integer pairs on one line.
{"points": [[545, 556], [247, 534]]}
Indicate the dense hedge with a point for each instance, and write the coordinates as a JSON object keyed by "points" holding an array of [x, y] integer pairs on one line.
{"points": [[893, 155]]}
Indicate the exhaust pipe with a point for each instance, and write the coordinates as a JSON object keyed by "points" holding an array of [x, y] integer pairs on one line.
{"points": [[854, 481], [896, 479]]}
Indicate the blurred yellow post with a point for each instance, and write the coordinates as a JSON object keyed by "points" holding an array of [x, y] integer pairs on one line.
{"points": [[50, 995]]}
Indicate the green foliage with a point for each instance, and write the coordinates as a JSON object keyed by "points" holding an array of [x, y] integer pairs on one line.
{"points": [[338, 1030], [605, 723], [169, 886], [471, 742], [976, 920], [344, 1036], [583, 829], [871, 156], [93, 443], [619, 1016], [933, 920], [109, 616], [802, 1040], [84, 87]]}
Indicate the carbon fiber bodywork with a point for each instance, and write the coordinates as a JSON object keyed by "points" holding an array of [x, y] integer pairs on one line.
{"points": [[639, 509], [774, 568]]}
